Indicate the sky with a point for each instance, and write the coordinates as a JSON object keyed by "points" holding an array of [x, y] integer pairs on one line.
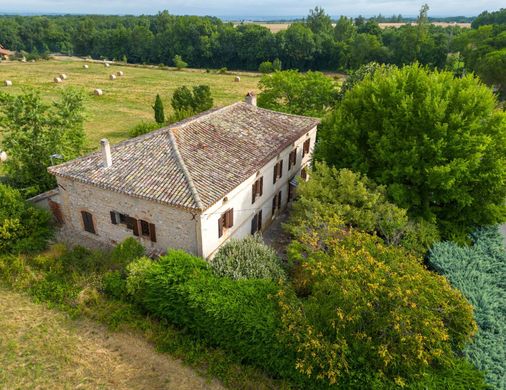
{"points": [[245, 9]]}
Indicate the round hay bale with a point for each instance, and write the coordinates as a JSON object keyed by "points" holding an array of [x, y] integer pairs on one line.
{"points": [[85, 66], [32, 61], [106, 64], [120, 73], [98, 92], [57, 80], [237, 79], [3, 156], [112, 77], [8, 83], [63, 76]]}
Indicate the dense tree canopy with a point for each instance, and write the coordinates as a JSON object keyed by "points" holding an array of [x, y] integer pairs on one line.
{"points": [[438, 144], [310, 93], [208, 42], [37, 135]]}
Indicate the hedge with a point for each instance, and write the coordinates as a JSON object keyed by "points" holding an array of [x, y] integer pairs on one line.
{"points": [[479, 271]]}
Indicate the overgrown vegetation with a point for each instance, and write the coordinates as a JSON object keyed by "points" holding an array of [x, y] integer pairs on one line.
{"points": [[36, 135], [143, 128], [186, 102], [248, 258], [437, 143], [479, 271], [23, 228]]}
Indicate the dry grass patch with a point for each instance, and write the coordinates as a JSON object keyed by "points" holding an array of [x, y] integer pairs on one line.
{"points": [[43, 348]]}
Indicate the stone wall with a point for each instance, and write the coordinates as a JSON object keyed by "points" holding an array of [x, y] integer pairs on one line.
{"points": [[175, 228]]}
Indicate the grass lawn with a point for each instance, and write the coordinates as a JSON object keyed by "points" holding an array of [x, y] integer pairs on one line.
{"points": [[42, 348], [126, 100]]}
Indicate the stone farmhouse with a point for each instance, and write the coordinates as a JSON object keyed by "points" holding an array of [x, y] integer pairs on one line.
{"points": [[192, 185]]}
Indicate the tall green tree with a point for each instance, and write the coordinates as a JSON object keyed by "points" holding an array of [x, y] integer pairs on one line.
{"points": [[437, 142], [158, 110], [193, 102], [310, 93], [34, 133]]}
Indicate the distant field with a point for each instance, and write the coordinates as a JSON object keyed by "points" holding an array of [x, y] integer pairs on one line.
{"points": [[275, 27], [126, 100]]}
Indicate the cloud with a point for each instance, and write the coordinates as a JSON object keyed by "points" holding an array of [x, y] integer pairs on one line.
{"points": [[243, 8]]}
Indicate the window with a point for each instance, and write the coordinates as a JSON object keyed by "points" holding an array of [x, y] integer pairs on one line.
{"points": [[305, 147], [292, 159], [276, 203], [146, 229], [256, 223], [257, 189], [226, 221], [88, 222], [278, 171]]}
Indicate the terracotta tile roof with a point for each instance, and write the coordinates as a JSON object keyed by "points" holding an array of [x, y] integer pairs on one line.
{"points": [[194, 163]]}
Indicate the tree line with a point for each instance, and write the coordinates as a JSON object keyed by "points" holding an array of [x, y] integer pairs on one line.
{"points": [[317, 42]]}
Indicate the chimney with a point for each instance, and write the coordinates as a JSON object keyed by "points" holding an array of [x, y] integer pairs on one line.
{"points": [[106, 152], [251, 98]]}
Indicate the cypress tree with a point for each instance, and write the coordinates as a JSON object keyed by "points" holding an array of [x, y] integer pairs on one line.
{"points": [[158, 108]]}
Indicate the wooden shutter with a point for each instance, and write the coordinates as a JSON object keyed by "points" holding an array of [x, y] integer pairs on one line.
{"points": [[113, 218], [88, 222], [220, 226], [152, 232], [279, 200], [134, 224], [275, 174], [280, 168], [229, 218], [261, 185], [254, 225], [274, 204], [259, 220], [305, 147], [303, 174], [253, 192], [55, 208]]}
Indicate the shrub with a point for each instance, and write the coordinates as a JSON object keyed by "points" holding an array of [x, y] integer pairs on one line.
{"points": [[179, 63], [479, 271], [114, 284], [237, 315], [142, 128], [370, 308], [266, 67], [248, 258], [276, 65], [127, 251], [223, 70], [23, 228], [358, 203]]}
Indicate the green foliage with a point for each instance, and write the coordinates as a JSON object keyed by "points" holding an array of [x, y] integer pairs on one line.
{"points": [[479, 271], [114, 284], [248, 258], [237, 315], [310, 93], [184, 100], [142, 128], [23, 228], [266, 67], [355, 201], [436, 142], [276, 65], [126, 251], [32, 131], [158, 110], [367, 307], [178, 62], [358, 75]]}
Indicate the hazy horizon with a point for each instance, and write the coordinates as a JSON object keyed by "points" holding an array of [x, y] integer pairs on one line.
{"points": [[261, 9]]}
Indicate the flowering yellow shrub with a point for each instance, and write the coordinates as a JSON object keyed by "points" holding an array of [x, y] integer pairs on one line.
{"points": [[368, 306]]}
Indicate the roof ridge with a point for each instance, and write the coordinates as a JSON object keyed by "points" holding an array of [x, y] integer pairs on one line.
{"points": [[186, 173]]}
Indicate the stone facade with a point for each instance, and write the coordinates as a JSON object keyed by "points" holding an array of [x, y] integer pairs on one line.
{"points": [[175, 228]]}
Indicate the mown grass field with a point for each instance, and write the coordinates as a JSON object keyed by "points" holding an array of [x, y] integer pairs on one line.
{"points": [[126, 100]]}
